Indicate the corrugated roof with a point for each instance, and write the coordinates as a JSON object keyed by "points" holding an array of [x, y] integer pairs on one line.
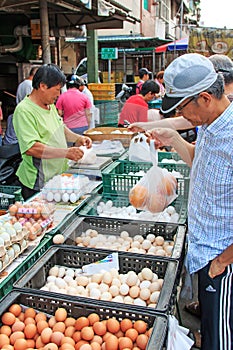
{"points": [[119, 38]]}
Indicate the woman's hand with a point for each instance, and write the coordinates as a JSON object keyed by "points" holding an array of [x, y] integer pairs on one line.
{"points": [[74, 153], [84, 141]]}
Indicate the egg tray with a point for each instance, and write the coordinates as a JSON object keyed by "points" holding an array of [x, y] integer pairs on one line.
{"points": [[74, 257], [109, 226], [90, 209], [14, 191], [118, 181], [6, 284], [75, 308]]}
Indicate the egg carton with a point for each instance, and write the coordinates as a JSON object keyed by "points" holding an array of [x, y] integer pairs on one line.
{"points": [[73, 257], [48, 304], [11, 253]]}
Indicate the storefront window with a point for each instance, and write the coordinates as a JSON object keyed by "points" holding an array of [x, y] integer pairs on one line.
{"points": [[146, 5]]}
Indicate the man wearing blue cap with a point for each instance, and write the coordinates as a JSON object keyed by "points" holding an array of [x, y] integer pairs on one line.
{"points": [[197, 92]]}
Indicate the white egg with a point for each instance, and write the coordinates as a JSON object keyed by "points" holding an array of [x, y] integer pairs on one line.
{"points": [[58, 239], [73, 197], [49, 196]]}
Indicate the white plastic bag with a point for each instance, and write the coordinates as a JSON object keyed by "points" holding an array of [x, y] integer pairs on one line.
{"points": [[89, 156], [177, 336], [141, 151]]}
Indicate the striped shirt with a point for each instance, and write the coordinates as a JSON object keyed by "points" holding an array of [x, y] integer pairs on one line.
{"points": [[210, 209]]}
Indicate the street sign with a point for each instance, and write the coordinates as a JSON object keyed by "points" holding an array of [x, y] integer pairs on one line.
{"points": [[109, 53]]}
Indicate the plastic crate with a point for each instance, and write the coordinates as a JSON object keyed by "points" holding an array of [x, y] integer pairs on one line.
{"points": [[161, 156], [109, 111], [109, 226], [102, 87], [7, 284], [90, 209], [117, 181], [14, 191], [48, 304], [75, 257]]}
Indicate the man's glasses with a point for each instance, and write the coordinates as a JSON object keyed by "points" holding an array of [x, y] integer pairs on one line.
{"points": [[180, 108]]}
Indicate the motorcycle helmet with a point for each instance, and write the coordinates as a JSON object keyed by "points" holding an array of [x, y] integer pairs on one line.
{"points": [[75, 81]]}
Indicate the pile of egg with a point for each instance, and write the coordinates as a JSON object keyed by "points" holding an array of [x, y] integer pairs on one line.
{"points": [[65, 188], [13, 240], [36, 216], [107, 209], [154, 245], [30, 329], [142, 289]]}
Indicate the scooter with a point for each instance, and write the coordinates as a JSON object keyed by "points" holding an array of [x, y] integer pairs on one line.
{"points": [[10, 158], [124, 94]]}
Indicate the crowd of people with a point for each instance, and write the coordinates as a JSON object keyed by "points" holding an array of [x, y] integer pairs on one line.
{"points": [[196, 93]]}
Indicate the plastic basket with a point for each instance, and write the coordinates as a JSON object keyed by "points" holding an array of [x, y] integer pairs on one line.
{"points": [[101, 87], [108, 111], [90, 209], [14, 191], [117, 181], [161, 156], [74, 257], [48, 304], [7, 284], [108, 226]]}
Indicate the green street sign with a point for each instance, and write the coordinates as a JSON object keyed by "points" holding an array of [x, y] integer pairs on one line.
{"points": [[109, 53]]}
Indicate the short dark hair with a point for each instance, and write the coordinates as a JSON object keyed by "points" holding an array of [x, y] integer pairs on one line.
{"points": [[49, 74], [149, 86], [160, 74]]}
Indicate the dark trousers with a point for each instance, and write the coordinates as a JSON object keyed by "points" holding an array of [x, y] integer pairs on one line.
{"points": [[27, 192], [216, 303]]}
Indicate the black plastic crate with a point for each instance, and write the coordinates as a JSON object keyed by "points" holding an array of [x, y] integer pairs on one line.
{"points": [[74, 257], [10, 195], [49, 304], [108, 226]]}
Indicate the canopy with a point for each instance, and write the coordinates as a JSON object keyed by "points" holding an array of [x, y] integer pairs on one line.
{"points": [[181, 44]]}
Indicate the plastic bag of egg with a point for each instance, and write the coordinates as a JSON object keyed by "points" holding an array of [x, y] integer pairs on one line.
{"points": [[142, 289], [27, 328], [154, 245], [13, 240], [107, 209], [65, 188]]}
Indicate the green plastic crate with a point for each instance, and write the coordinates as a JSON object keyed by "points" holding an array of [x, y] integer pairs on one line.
{"points": [[109, 111], [117, 181], [90, 209], [161, 156], [7, 284], [14, 191]]}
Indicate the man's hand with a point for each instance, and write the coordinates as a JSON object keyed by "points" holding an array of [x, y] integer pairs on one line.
{"points": [[135, 127], [74, 153], [216, 268], [162, 137], [84, 141]]}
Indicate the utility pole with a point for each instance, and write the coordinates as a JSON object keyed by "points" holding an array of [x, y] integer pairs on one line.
{"points": [[181, 17]]}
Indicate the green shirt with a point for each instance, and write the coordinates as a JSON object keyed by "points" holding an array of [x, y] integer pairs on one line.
{"points": [[34, 124]]}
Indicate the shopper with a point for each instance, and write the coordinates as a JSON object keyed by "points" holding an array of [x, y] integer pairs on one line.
{"points": [[9, 136], [25, 87], [74, 107], [144, 75], [160, 81], [42, 134], [202, 101], [135, 108], [1, 118]]}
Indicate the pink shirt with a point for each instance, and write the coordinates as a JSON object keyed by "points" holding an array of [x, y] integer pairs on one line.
{"points": [[73, 103]]}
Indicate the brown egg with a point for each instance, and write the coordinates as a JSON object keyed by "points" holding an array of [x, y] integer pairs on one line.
{"points": [[8, 347], [67, 340], [67, 346], [87, 333], [140, 326], [13, 209], [30, 312], [50, 346], [119, 334], [125, 342], [111, 343], [99, 328], [76, 336], [81, 322], [126, 323], [31, 343], [29, 320], [20, 344], [132, 334], [148, 333], [141, 341], [16, 335], [85, 347], [5, 330], [39, 343], [95, 346], [8, 318], [52, 321], [15, 309], [21, 316], [41, 325], [59, 327], [69, 331], [80, 343], [46, 335], [4, 340], [113, 326], [40, 317], [18, 326], [93, 318], [60, 314], [56, 338], [107, 334], [69, 321], [97, 339]]}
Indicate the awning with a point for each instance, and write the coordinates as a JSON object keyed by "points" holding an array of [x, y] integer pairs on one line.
{"points": [[181, 44]]}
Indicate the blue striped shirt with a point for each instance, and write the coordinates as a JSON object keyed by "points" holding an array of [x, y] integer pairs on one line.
{"points": [[210, 209]]}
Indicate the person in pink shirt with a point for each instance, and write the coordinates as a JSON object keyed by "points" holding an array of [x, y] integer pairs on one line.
{"points": [[74, 107]]}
